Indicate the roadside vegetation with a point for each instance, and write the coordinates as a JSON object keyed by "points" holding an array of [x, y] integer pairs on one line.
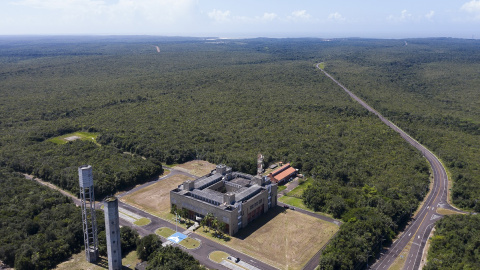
{"points": [[455, 243], [225, 103]]}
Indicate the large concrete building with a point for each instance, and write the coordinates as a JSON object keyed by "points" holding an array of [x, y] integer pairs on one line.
{"points": [[234, 198]]}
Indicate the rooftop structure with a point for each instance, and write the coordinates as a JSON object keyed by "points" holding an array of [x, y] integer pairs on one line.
{"points": [[233, 198]]}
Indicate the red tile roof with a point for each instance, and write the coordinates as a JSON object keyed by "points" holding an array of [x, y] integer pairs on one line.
{"points": [[286, 173], [279, 170]]}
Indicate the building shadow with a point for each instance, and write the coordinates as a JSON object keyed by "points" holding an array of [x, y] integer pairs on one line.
{"points": [[259, 222], [102, 262]]}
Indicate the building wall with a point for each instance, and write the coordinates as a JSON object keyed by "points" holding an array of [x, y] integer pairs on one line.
{"points": [[250, 210], [204, 208]]}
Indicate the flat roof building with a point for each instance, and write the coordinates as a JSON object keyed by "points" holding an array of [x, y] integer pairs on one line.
{"points": [[234, 198]]}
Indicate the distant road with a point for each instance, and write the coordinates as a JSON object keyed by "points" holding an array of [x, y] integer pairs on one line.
{"points": [[419, 230]]}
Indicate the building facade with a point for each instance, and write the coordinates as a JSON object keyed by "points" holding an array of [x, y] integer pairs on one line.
{"points": [[234, 198]]}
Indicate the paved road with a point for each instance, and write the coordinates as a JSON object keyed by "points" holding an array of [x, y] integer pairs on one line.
{"points": [[421, 226], [201, 254]]}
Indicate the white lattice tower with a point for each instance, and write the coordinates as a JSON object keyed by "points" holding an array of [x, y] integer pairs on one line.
{"points": [[87, 199]]}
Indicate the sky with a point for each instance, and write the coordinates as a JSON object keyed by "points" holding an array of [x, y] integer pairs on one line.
{"points": [[243, 18]]}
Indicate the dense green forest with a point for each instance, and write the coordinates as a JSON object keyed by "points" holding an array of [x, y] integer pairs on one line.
{"points": [[430, 88], [39, 228], [455, 243], [226, 101]]}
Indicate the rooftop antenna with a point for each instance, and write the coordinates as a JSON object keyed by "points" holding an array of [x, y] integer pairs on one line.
{"points": [[259, 164]]}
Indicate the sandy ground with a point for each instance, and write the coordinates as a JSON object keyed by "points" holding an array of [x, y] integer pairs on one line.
{"points": [[155, 198], [158, 48], [196, 167], [285, 239]]}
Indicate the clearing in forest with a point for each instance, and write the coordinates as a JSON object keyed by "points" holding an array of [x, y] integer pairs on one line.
{"points": [[196, 167], [86, 136], [155, 199]]}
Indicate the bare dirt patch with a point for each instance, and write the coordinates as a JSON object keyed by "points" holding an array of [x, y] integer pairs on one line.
{"points": [[155, 199], [71, 138], [284, 238], [196, 167]]}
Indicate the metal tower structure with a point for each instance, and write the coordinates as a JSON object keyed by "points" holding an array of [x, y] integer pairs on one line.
{"points": [[259, 164], [87, 199], [112, 230]]}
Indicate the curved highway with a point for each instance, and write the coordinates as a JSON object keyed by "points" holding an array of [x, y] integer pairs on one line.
{"points": [[421, 226]]}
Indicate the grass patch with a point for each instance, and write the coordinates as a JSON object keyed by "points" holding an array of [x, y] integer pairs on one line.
{"points": [[85, 136], [130, 260], [302, 185], [190, 243], [293, 201], [142, 222], [443, 211], [281, 188], [78, 262], [164, 231], [322, 65], [218, 256]]}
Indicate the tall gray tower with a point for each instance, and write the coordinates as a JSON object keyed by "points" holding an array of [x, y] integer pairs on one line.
{"points": [[87, 199], [112, 230]]}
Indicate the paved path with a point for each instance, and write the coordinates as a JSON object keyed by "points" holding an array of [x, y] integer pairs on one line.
{"points": [[421, 226]]}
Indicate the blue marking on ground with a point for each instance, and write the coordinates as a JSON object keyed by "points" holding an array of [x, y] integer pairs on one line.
{"points": [[177, 237]]}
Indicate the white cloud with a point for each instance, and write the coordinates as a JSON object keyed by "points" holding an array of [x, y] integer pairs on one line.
{"points": [[226, 16], [430, 14], [336, 17], [269, 16], [472, 7], [219, 16], [404, 16], [119, 12], [300, 15]]}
